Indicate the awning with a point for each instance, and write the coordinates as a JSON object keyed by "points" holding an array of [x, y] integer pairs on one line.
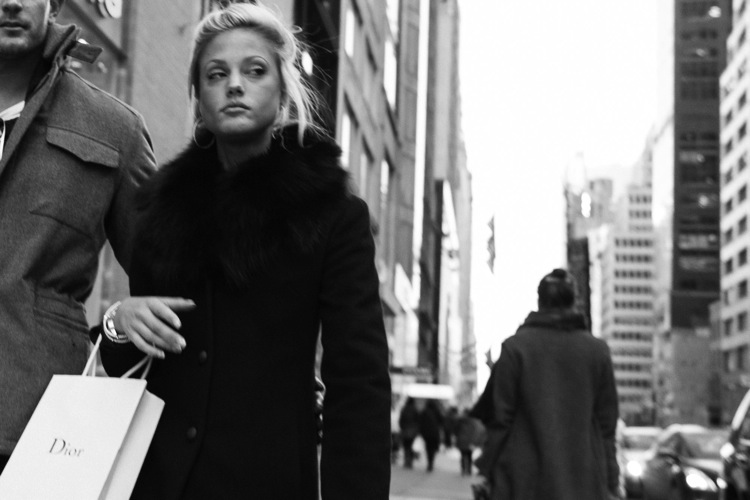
{"points": [[429, 391]]}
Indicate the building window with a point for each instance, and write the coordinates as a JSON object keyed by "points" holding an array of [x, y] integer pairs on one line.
{"points": [[728, 206], [365, 171], [370, 86], [728, 176], [742, 225], [742, 257], [742, 194], [742, 289], [348, 134], [728, 266], [742, 322], [728, 235], [390, 72], [352, 27], [728, 324]]}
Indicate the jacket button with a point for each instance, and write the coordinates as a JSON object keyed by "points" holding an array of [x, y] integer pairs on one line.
{"points": [[191, 434], [202, 357]]}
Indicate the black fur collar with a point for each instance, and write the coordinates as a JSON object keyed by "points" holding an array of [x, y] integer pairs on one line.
{"points": [[199, 221]]}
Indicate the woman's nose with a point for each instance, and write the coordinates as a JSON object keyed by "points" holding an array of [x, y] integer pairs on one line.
{"points": [[235, 87]]}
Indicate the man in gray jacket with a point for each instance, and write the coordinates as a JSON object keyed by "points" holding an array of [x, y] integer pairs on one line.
{"points": [[71, 159]]}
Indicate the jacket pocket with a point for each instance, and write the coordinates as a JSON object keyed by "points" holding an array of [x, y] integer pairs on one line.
{"points": [[75, 181], [62, 331], [61, 308], [87, 149]]}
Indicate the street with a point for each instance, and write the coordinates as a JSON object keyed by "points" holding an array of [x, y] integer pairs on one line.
{"points": [[443, 483]]}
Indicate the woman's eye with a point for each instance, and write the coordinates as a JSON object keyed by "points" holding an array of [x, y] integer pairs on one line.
{"points": [[257, 70], [213, 75]]}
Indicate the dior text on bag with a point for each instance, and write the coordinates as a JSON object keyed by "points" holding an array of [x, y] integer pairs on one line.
{"points": [[86, 439]]}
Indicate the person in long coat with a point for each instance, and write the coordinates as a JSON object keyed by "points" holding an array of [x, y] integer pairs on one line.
{"points": [[554, 409], [251, 247], [430, 426], [408, 424]]}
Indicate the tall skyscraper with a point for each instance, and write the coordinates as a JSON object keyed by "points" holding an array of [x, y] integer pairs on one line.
{"points": [[701, 29]]}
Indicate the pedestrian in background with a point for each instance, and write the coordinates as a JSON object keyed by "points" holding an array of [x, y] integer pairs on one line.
{"points": [[408, 423], [553, 401], [449, 426], [255, 224], [430, 427], [467, 436], [71, 159]]}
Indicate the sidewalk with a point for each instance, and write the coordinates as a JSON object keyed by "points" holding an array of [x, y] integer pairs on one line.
{"points": [[444, 483]]}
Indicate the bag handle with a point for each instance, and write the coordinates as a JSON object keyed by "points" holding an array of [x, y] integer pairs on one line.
{"points": [[90, 369]]}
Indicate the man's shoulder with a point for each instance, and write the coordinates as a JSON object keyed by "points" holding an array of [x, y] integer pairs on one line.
{"points": [[80, 98]]}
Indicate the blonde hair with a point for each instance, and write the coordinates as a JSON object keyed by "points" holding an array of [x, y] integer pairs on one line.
{"points": [[298, 99]]}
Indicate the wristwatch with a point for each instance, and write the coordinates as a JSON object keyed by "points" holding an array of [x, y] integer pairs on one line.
{"points": [[108, 325]]}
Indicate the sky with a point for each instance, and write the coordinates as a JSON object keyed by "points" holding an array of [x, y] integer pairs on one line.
{"points": [[541, 82]]}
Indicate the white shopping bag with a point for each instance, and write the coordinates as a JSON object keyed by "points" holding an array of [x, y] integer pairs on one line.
{"points": [[86, 440]]}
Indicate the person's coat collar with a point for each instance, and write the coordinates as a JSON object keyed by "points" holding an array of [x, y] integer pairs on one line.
{"points": [[199, 221], [560, 319]]}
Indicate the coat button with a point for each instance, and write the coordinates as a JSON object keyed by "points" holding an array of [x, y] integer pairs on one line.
{"points": [[191, 434], [202, 357]]}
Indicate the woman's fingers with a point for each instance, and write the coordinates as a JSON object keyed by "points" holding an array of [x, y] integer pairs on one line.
{"points": [[145, 346], [151, 323]]}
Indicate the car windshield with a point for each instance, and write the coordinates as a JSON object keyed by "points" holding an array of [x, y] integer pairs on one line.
{"points": [[705, 445], [638, 441]]}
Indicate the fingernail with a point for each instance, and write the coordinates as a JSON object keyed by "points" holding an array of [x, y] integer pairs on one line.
{"points": [[161, 354], [177, 324]]}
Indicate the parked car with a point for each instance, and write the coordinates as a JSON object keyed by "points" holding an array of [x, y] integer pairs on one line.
{"points": [[684, 464], [633, 448], [736, 454]]}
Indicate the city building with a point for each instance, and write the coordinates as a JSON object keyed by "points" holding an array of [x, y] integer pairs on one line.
{"points": [[686, 208], [734, 340], [622, 283], [444, 273], [588, 207], [701, 29]]}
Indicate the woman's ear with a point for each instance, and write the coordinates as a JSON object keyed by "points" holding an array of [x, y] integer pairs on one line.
{"points": [[54, 9]]}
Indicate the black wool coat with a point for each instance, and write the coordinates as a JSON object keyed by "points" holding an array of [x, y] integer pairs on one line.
{"points": [[554, 412], [274, 253]]}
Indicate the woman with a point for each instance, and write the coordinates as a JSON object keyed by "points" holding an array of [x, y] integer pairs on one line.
{"points": [[254, 228], [552, 406]]}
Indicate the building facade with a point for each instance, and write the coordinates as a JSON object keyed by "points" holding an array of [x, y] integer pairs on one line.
{"points": [[623, 278], [687, 205], [445, 318], [734, 339], [701, 29]]}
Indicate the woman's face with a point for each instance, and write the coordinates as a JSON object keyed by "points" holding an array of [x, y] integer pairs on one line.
{"points": [[240, 87]]}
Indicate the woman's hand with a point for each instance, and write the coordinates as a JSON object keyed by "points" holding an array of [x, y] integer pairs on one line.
{"points": [[151, 323]]}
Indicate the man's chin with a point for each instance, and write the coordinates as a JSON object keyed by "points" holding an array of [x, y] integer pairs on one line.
{"points": [[14, 48]]}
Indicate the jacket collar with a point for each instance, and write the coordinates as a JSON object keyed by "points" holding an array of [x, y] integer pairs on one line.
{"points": [[60, 42], [559, 319]]}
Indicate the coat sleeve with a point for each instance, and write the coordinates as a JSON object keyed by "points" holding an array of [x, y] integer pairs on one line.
{"points": [[503, 389], [355, 461], [606, 412], [137, 163], [119, 358]]}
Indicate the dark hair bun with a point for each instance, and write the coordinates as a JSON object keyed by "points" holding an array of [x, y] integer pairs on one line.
{"points": [[557, 289], [560, 274]]}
